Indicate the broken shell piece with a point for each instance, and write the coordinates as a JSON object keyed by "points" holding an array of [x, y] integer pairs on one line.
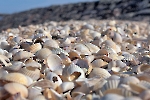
{"points": [[5, 60], [14, 88], [16, 77], [72, 72]]}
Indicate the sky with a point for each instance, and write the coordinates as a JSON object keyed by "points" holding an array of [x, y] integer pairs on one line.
{"points": [[13, 6]]}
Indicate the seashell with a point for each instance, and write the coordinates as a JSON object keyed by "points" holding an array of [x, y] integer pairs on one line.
{"points": [[5, 60], [65, 59], [88, 26], [16, 77], [89, 58], [82, 49], [15, 50], [78, 96], [59, 51], [130, 79], [51, 44], [3, 93], [33, 92], [114, 77], [112, 97], [14, 88], [39, 97], [132, 98], [111, 84], [72, 72], [117, 38], [73, 54], [15, 66], [54, 63], [145, 95], [22, 55], [100, 72], [33, 64], [65, 86], [99, 63], [53, 77], [3, 72], [32, 72], [43, 84], [92, 48], [144, 84], [47, 93], [143, 67], [108, 43], [34, 47], [135, 88], [5, 45], [55, 95], [43, 53]]}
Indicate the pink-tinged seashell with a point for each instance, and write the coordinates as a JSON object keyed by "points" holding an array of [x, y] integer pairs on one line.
{"points": [[14, 88]]}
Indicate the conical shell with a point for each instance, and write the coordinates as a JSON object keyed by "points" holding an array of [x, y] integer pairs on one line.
{"points": [[72, 72], [32, 72], [100, 72], [22, 55], [16, 77], [14, 88], [43, 53]]}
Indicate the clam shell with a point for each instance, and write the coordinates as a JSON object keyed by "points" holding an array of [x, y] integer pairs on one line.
{"points": [[33, 92], [32, 72], [92, 48], [15, 66], [16, 77], [33, 64], [73, 54], [99, 63], [82, 49], [55, 95], [34, 47], [145, 95], [39, 97], [143, 67], [54, 63], [65, 59], [100, 72], [72, 72], [59, 51], [43, 53], [53, 77], [130, 79], [65, 86], [14, 88], [22, 55], [117, 38]]}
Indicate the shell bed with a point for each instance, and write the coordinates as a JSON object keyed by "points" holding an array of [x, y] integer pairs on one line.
{"points": [[76, 60]]}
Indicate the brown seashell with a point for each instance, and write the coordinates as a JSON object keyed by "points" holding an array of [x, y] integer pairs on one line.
{"points": [[47, 93], [16, 77], [100, 72], [143, 67], [22, 55], [43, 53], [14, 88], [73, 54], [32, 72]]}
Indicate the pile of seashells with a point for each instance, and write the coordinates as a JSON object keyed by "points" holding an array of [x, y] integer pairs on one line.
{"points": [[76, 60]]}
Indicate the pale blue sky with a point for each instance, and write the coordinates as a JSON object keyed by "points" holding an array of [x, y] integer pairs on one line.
{"points": [[12, 6]]}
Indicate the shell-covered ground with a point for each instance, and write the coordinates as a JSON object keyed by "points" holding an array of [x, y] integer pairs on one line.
{"points": [[76, 60]]}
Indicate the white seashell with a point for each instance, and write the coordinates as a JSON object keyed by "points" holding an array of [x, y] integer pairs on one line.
{"points": [[15, 66], [33, 92], [43, 53], [65, 86], [55, 95], [112, 97], [34, 47], [82, 49], [92, 48], [72, 72], [5, 60], [59, 51], [51, 44], [130, 79], [100, 72], [39, 97], [54, 63], [99, 63], [14, 88], [53, 77]]}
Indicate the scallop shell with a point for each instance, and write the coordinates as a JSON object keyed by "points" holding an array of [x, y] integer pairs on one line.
{"points": [[99, 63], [54, 63], [43, 53], [100, 72], [16, 77], [32, 72], [53, 77], [14, 88], [82, 49], [92, 48], [22, 55], [34, 47], [72, 72], [65, 86], [51, 44], [15, 66], [33, 64], [108, 43]]}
